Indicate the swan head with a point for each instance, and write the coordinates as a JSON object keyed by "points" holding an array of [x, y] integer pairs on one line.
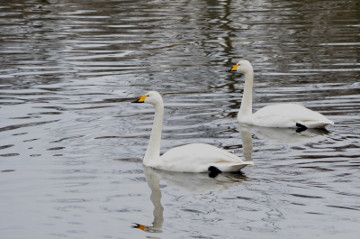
{"points": [[152, 97], [243, 66]]}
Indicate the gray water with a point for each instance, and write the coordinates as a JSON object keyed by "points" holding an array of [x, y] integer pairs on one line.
{"points": [[71, 144]]}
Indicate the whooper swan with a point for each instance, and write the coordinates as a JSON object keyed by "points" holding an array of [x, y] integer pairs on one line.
{"points": [[277, 115], [197, 157]]}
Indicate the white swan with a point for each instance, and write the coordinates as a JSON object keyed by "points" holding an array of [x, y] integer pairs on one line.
{"points": [[187, 158], [277, 115]]}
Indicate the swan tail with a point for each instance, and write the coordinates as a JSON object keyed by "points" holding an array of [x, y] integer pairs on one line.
{"points": [[217, 168], [313, 124]]}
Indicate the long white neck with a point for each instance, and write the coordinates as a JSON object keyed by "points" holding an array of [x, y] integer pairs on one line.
{"points": [[153, 150], [246, 102]]}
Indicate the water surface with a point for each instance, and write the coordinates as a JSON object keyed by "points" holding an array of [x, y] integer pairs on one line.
{"points": [[71, 144]]}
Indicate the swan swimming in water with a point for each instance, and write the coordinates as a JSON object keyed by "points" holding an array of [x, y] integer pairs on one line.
{"points": [[194, 158], [277, 115]]}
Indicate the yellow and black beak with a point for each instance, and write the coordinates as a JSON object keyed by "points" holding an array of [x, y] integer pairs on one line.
{"points": [[140, 100], [234, 68]]}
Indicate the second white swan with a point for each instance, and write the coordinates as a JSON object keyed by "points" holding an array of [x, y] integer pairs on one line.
{"points": [[277, 115], [195, 158]]}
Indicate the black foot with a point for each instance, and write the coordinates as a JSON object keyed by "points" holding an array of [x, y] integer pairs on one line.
{"points": [[214, 171], [300, 128]]}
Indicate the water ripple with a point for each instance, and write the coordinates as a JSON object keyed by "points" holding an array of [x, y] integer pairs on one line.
{"points": [[71, 143]]}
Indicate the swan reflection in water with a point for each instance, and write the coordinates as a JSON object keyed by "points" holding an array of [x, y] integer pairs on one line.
{"points": [[195, 183], [153, 180], [201, 183], [283, 135]]}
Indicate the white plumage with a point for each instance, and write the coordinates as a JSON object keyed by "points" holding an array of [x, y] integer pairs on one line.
{"points": [[277, 115], [198, 158], [195, 158]]}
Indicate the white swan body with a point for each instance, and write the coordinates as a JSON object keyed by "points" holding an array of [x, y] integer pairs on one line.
{"points": [[194, 158], [289, 116], [277, 115], [199, 157]]}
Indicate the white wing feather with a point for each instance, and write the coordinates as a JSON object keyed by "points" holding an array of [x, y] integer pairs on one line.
{"points": [[289, 115], [198, 158]]}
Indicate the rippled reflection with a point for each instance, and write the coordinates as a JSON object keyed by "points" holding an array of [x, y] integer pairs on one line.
{"points": [[198, 183], [153, 181], [284, 135]]}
